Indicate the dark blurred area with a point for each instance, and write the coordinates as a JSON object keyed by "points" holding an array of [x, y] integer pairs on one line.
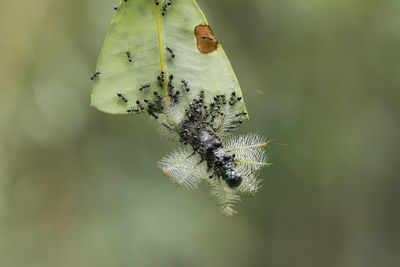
{"points": [[81, 188]]}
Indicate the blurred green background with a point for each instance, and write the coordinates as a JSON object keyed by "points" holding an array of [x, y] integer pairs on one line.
{"points": [[81, 188]]}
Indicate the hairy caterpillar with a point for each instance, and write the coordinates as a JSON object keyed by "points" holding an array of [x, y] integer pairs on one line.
{"points": [[206, 153]]}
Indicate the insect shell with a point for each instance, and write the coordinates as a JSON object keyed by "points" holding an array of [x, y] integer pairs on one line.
{"points": [[229, 165]]}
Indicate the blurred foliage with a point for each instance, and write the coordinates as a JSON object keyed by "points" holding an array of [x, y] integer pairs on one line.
{"points": [[81, 188]]}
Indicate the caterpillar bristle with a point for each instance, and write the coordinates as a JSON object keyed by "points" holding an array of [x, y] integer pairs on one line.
{"points": [[250, 184], [226, 197], [184, 167]]}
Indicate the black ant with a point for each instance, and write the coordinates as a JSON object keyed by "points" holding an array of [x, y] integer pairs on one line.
{"points": [[167, 3], [140, 105], [241, 114], [171, 52], [133, 111], [233, 100], [185, 84], [144, 87], [122, 97], [128, 54], [94, 75], [161, 79]]}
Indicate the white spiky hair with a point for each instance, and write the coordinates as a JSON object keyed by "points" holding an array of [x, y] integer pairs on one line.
{"points": [[187, 168]]}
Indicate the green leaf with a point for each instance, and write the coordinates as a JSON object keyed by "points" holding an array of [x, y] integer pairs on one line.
{"points": [[136, 51]]}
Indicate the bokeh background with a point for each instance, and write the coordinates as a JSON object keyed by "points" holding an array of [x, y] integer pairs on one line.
{"points": [[81, 188]]}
